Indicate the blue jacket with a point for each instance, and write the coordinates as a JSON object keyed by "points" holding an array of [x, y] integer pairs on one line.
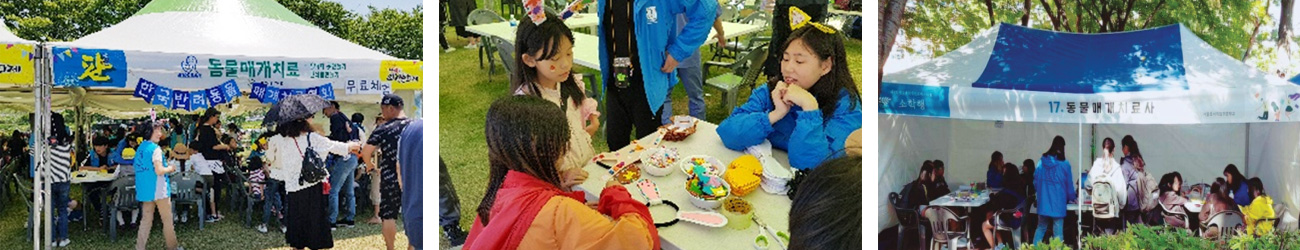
{"points": [[116, 155], [1052, 179], [655, 21], [1242, 195], [994, 178], [815, 138]]}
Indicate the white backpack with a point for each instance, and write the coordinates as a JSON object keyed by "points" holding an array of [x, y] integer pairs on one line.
{"points": [[1104, 200]]}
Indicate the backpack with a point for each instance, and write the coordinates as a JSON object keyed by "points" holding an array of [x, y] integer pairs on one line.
{"points": [[313, 167], [1146, 191], [1103, 200]]}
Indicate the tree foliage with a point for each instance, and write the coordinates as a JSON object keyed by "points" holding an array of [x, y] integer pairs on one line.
{"points": [[395, 32]]}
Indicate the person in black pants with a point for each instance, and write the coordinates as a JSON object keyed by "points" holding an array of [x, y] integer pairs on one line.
{"points": [[815, 9], [459, 11], [449, 207], [442, 27]]}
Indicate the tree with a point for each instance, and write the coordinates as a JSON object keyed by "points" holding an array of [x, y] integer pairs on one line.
{"points": [[327, 15], [394, 32], [65, 20], [1284, 24], [891, 17]]}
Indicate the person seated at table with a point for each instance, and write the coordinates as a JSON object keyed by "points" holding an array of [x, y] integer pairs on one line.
{"points": [[1010, 197], [129, 142], [1237, 185], [525, 202], [1260, 209], [97, 160], [1107, 169], [938, 183], [994, 174], [826, 210], [1217, 201], [1172, 199], [1055, 185], [546, 51], [812, 106], [917, 192]]}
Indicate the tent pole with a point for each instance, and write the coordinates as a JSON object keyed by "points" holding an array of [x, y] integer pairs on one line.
{"points": [[1247, 165], [1079, 195]]}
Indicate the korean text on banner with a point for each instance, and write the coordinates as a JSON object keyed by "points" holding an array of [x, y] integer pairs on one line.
{"points": [[402, 74], [17, 64], [89, 67]]}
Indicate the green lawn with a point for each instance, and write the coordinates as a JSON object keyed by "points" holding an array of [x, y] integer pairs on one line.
{"points": [[465, 92], [229, 233]]}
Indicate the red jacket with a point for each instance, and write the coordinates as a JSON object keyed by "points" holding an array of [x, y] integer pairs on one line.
{"points": [[532, 214]]}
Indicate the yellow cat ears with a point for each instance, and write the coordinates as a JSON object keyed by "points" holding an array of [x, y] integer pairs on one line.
{"points": [[798, 19]]}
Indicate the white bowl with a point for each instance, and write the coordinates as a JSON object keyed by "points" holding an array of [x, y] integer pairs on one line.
{"points": [[709, 203], [685, 163], [648, 161]]}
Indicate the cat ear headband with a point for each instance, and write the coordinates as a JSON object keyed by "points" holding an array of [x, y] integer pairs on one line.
{"points": [[537, 12], [798, 19]]}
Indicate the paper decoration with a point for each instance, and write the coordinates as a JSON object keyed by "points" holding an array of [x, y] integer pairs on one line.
{"points": [[162, 96], [89, 67], [402, 74], [180, 100], [269, 94], [144, 89], [535, 11]]}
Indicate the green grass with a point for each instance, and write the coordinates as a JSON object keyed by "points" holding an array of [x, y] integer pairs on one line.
{"points": [[465, 92], [229, 233]]}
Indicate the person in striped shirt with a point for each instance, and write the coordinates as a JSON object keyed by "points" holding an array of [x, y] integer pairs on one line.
{"points": [[58, 172]]}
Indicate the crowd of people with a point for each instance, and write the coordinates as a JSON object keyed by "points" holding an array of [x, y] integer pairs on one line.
{"points": [[1117, 187], [149, 152]]}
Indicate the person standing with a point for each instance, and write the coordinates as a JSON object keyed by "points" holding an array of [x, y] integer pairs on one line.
{"points": [[208, 160], [459, 11], [375, 197], [410, 148], [58, 173], [690, 72], [639, 58], [153, 185], [307, 224], [385, 139], [342, 169], [1052, 179], [816, 10]]}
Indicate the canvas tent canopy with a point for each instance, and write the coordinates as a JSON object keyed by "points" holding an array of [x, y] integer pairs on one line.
{"points": [[203, 47], [1191, 108]]}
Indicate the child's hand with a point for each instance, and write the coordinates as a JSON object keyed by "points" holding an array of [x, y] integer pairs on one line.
{"points": [[611, 182], [572, 177], [781, 107], [799, 96]]}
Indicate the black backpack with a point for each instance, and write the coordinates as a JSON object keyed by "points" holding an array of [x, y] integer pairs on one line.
{"points": [[313, 167]]}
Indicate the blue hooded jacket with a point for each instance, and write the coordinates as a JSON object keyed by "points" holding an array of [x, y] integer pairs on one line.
{"points": [[655, 23], [1052, 180], [814, 138]]}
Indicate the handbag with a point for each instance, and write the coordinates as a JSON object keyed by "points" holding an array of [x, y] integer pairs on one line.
{"points": [[313, 167]]}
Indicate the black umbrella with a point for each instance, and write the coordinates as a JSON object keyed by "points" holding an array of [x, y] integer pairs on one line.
{"points": [[293, 108]]}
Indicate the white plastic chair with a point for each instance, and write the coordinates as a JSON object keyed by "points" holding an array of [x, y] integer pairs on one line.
{"points": [[1229, 223], [943, 234]]}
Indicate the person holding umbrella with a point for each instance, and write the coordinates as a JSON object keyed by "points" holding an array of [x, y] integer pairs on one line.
{"points": [[295, 157]]}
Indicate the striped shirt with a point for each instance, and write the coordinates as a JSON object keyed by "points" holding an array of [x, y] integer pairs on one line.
{"points": [[60, 163]]}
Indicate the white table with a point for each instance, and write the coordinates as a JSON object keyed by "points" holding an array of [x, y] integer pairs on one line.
{"points": [[586, 47], [772, 209], [84, 176], [950, 200]]}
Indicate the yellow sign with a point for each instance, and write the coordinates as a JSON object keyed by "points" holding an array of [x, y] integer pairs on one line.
{"points": [[402, 74], [16, 64]]}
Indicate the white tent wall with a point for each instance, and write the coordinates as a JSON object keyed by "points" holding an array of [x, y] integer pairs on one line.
{"points": [[1198, 152], [906, 142], [1274, 149], [965, 147]]}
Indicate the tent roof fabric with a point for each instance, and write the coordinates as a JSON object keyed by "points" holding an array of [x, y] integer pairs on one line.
{"points": [[262, 8], [255, 28], [7, 36], [1164, 75]]}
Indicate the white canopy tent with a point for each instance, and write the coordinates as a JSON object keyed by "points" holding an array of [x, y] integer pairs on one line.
{"points": [[1191, 108], [190, 45]]}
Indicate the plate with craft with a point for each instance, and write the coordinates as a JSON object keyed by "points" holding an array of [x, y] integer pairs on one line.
{"points": [[710, 165]]}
